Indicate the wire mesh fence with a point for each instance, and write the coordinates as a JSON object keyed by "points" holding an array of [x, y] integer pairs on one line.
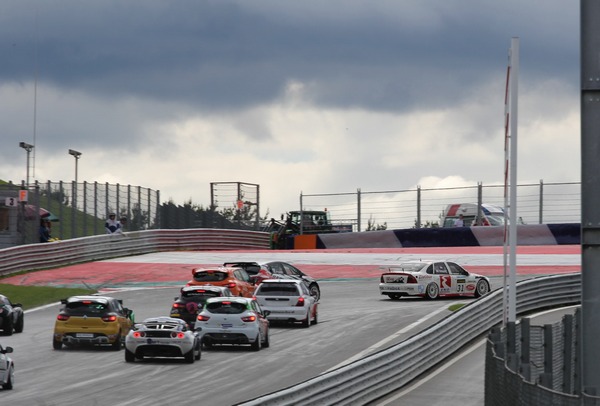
{"points": [[537, 203], [81, 209]]}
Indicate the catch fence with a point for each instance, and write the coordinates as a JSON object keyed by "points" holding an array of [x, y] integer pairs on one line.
{"points": [[537, 203], [81, 209]]}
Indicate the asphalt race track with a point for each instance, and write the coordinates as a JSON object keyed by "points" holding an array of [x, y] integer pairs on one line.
{"points": [[354, 321]]}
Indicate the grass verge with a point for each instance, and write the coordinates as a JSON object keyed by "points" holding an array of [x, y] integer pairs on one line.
{"points": [[34, 296]]}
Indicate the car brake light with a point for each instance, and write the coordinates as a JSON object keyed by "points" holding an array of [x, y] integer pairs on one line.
{"points": [[110, 317], [179, 335], [138, 334], [249, 319], [300, 302], [178, 305], [201, 317], [412, 279], [231, 285], [62, 317]]}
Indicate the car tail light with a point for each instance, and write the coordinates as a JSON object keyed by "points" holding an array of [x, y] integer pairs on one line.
{"points": [[202, 317], [179, 335], [109, 318], [231, 285], [300, 302], [62, 317], [139, 334], [249, 319], [178, 305], [411, 279]]}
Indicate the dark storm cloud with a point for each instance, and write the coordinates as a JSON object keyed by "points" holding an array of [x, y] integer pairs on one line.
{"points": [[226, 55]]}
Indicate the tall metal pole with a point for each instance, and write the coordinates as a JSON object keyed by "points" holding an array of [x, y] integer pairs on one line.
{"points": [[590, 195], [76, 155], [512, 227], [27, 147]]}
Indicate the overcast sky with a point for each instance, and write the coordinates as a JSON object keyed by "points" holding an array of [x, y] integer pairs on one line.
{"points": [[295, 96]]}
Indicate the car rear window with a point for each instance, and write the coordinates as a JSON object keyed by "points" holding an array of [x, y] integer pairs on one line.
{"points": [[210, 276], [86, 308], [199, 296], [226, 307], [278, 289]]}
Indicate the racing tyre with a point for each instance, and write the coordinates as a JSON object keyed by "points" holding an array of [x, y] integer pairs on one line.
{"points": [[8, 328], [19, 325], [57, 345], [189, 357], [266, 344], [432, 291], [207, 344], [199, 349], [9, 381], [315, 291], [255, 346], [394, 296], [129, 356], [316, 318], [116, 346], [482, 288], [306, 322]]}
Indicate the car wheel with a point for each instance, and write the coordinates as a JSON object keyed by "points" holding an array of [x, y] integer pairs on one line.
{"points": [[266, 343], [432, 291], [316, 317], [315, 291], [255, 346], [199, 351], [10, 379], [116, 346], [189, 357], [207, 344], [8, 327], [20, 324], [129, 356], [394, 296], [306, 321], [57, 345], [482, 288]]}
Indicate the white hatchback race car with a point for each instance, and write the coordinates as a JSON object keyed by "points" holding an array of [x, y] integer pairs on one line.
{"points": [[162, 337], [233, 320], [7, 368], [431, 279], [287, 300]]}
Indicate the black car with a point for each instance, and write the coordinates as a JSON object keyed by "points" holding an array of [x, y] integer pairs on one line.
{"points": [[192, 299], [11, 316], [260, 271]]}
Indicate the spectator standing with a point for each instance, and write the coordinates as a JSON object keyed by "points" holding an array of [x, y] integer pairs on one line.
{"points": [[123, 222], [112, 225], [459, 222], [44, 231]]}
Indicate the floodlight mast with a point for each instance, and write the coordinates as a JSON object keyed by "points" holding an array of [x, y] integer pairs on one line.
{"points": [[27, 147], [76, 155]]}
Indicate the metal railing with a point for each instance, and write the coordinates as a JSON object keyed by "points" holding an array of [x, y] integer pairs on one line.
{"points": [[95, 248], [391, 369], [538, 203]]}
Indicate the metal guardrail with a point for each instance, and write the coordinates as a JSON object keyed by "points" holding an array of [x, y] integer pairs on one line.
{"points": [[389, 370], [85, 249]]}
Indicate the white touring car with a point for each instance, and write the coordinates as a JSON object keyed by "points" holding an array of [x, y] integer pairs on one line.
{"points": [[431, 279], [162, 337]]}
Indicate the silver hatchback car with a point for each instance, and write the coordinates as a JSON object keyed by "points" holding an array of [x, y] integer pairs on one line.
{"points": [[233, 320], [287, 300]]}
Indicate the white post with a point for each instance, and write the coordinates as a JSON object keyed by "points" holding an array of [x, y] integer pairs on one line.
{"points": [[512, 227]]}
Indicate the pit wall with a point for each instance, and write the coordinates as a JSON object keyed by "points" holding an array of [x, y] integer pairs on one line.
{"points": [[537, 234]]}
